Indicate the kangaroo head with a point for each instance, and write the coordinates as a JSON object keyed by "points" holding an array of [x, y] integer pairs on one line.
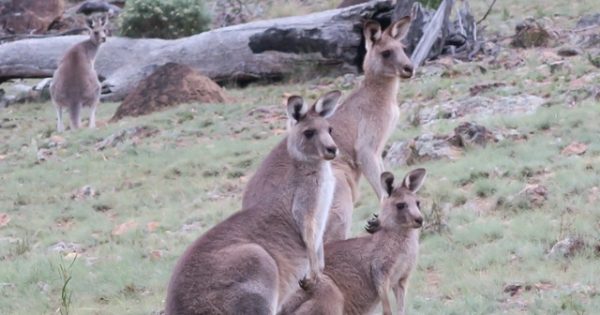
{"points": [[385, 53], [401, 207], [97, 27], [309, 132]]}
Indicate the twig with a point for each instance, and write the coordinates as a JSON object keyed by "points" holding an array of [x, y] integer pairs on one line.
{"points": [[487, 13]]}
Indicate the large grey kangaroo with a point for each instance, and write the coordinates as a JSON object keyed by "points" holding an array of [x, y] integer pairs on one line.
{"points": [[362, 272], [252, 261], [75, 83], [361, 127]]}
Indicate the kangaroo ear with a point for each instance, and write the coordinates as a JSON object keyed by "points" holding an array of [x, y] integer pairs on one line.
{"points": [[414, 180], [399, 29], [387, 182], [89, 23], [372, 33], [327, 103], [296, 108], [104, 20]]}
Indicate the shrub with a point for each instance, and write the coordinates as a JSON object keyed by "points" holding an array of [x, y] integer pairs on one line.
{"points": [[431, 3], [164, 18]]}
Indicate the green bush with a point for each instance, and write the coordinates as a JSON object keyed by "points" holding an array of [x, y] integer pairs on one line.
{"points": [[431, 3], [164, 18]]}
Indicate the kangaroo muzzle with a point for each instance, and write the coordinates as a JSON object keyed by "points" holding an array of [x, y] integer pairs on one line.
{"points": [[330, 153]]}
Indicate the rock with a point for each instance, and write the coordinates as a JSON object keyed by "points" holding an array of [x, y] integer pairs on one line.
{"points": [[94, 6], [84, 192], [348, 81], [513, 288], [400, 153], [124, 228], [594, 59], [170, 85], [66, 247], [530, 33], [480, 88], [575, 148], [4, 219], [433, 147], [587, 35], [470, 134], [30, 16], [134, 133], [44, 154], [476, 107], [569, 51], [536, 194], [588, 20], [566, 248]]}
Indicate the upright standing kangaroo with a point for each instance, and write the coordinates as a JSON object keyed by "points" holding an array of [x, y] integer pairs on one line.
{"points": [[252, 261], [361, 127], [361, 272], [75, 83]]}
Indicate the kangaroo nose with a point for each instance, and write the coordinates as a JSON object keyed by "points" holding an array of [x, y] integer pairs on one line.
{"points": [[407, 71], [332, 150], [419, 221]]}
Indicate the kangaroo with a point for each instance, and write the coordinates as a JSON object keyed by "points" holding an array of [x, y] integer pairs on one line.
{"points": [[252, 261], [361, 127], [75, 82], [361, 272]]}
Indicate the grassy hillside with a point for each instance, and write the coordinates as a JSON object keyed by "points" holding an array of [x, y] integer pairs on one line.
{"points": [[130, 208]]}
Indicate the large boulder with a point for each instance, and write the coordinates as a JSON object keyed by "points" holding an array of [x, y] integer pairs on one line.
{"points": [[30, 16], [170, 85]]}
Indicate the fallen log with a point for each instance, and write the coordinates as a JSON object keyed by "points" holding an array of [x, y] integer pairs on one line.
{"points": [[330, 41]]}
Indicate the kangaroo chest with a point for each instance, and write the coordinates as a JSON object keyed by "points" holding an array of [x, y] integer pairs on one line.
{"points": [[378, 125]]}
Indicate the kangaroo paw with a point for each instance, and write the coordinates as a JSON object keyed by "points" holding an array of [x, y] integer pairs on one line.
{"points": [[307, 283], [373, 224]]}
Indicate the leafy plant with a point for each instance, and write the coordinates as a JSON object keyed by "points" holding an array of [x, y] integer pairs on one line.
{"points": [[164, 18], [65, 293]]}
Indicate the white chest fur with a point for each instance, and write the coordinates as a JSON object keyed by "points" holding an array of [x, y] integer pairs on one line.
{"points": [[327, 188]]}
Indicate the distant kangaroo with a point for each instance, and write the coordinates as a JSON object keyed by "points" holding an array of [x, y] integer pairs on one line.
{"points": [[75, 83], [361, 272], [361, 127], [252, 261]]}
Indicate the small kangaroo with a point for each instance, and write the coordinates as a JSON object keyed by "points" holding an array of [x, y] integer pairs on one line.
{"points": [[75, 82], [361, 127], [361, 272], [252, 261]]}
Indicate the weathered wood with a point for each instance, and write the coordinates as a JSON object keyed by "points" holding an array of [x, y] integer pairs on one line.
{"points": [[329, 40], [431, 32]]}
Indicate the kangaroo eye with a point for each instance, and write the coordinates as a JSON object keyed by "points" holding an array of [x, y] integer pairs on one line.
{"points": [[330, 130], [386, 53], [309, 133], [418, 204], [401, 206]]}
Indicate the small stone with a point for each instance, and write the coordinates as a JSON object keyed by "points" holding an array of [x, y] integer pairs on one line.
{"points": [[536, 194], [513, 288], [567, 247], [66, 247], [575, 148], [569, 51], [44, 154]]}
